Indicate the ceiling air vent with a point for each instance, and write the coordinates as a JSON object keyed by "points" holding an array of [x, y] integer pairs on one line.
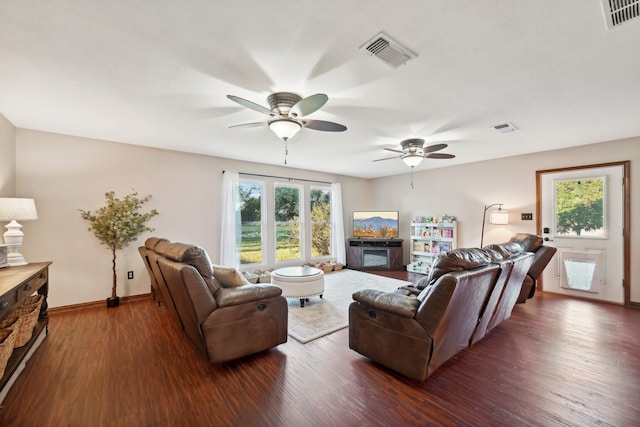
{"points": [[505, 128], [388, 51], [618, 12]]}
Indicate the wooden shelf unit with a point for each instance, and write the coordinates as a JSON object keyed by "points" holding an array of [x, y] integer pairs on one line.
{"points": [[428, 240], [16, 285]]}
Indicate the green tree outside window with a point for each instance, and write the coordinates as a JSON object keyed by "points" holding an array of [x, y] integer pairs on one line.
{"points": [[580, 207]]}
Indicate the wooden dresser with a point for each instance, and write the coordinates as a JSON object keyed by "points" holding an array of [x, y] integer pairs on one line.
{"points": [[16, 284]]}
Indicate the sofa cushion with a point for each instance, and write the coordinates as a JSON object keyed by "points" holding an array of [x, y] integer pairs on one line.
{"points": [[193, 255], [528, 242], [390, 302], [227, 297], [456, 260], [228, 277], [494, 254], [504, 249], [151, 242]]}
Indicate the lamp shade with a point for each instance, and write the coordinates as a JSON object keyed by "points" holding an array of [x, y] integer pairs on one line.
{"points": [[285, 129], [18, 209], [412, 160], [499, 217]]}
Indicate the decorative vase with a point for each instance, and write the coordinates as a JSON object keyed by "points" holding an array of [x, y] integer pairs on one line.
{"points": [[113, 302]]}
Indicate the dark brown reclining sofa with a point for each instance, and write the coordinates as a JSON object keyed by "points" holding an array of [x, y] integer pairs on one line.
{"points": [[542, 254], [417, 328], [223, 314]]}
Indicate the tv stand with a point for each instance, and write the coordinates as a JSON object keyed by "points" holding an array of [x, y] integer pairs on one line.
{"points": [[374, 254]]}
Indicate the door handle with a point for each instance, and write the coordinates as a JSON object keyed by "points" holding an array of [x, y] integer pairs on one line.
{"points": [[546, 239]]}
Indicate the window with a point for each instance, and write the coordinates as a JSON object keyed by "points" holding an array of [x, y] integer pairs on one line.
{"points": [[320, 208], [251, 228], [288, 222], [285, 223], [579, 208]]}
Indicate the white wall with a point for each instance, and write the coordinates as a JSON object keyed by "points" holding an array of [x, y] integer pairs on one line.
{"points": [[7, 158], [65, 174], [464, 190]]}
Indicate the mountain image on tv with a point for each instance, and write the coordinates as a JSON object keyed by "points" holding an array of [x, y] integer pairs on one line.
{"points": [[375, 225]]}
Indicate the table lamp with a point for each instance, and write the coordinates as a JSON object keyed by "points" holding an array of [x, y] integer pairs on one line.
{"points": [[16, 209]]}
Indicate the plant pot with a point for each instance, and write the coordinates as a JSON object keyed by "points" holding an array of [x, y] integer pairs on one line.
{"points": [[113, 302]]}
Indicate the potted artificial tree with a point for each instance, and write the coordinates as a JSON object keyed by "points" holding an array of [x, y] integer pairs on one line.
{"points": [[117, 224]]}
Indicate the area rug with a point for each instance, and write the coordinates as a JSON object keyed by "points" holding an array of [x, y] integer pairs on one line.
{"points": [[320, 317]]}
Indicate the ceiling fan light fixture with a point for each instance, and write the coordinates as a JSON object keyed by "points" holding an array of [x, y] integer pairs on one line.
{"points": [[412, 160], [285, 129]]}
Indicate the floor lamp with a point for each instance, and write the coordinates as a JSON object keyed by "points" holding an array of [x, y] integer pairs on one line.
{"points": [[495, 217], [15, 209]]}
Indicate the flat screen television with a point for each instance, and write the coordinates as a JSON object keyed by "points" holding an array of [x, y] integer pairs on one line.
{"points": [[376, 224]]}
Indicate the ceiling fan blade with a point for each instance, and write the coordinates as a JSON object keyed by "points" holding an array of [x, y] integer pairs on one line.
{"points": [[251, 105], [394, 150], [439, 156], [249, 125], [386, 158], [308, 105], [323, 125], [434, 147]]}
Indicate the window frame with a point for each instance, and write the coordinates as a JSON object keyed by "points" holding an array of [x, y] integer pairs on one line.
{"points": [[267, 215], [262, 222], [301, 223], [325, 188]]}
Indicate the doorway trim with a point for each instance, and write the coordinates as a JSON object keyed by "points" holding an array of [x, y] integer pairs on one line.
{"points": [[626, 221]]}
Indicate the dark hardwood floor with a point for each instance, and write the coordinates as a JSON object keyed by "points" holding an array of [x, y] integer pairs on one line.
{"points": [[556, 362]]}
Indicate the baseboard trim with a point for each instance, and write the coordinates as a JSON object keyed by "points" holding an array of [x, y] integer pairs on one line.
{"points": [[635, 305], [95, 304]]}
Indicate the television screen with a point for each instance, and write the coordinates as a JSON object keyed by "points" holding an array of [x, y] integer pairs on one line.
{"points": [[375, 224]]}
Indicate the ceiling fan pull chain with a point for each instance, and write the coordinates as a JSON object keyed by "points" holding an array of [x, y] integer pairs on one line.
{"points": [[412, 178], [286, 150]]}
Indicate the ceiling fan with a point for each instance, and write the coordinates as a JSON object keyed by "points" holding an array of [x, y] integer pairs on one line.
{"points": [[286, 114], [414, 150]]}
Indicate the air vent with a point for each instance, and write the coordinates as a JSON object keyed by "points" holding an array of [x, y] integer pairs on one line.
{"points": [[388, 51], [618, 12], [505, 128]]}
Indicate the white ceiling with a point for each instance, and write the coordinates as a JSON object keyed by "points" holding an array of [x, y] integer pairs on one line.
{"points": [[156, 73]]}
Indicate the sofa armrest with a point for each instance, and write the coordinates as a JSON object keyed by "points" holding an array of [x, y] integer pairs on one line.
{"points": [[540, 260], [226, 297], [401, 305]]}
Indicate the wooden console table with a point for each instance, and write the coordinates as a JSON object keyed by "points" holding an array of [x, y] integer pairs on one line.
{"points": [[16, 285]]}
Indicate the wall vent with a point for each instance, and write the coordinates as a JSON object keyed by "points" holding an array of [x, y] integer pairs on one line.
{"points": [[388, 51], [618, 12], [505, 128]]}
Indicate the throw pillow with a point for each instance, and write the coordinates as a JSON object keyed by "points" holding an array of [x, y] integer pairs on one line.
{"points": [[228, 277]]}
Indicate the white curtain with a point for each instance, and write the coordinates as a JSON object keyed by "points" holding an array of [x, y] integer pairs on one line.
{"points": [[337, 224], [230, 221]]}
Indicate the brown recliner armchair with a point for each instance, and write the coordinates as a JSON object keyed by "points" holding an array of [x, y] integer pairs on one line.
{"points": [[223, 314], [541, 256]]}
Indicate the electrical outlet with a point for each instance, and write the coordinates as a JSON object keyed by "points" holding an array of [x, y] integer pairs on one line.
{"points": [[527, 217], [129, 274]]}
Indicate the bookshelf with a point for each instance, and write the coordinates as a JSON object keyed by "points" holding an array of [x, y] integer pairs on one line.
{"points": [[430, 238]]}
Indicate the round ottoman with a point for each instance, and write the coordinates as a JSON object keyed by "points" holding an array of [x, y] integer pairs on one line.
{"points": [[299, 282]]}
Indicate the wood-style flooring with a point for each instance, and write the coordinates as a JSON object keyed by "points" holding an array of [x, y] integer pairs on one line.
{"points": [[557, 362]]}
